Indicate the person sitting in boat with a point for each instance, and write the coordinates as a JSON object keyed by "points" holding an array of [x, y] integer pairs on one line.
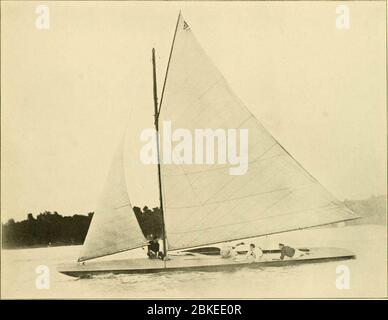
{"points": [[259, 253], [289, 252], [153, 247], [251, 254], [229, 251], [254, 253]]}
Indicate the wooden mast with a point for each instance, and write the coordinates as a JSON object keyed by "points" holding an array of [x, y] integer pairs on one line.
{"points": [[158, 151]]}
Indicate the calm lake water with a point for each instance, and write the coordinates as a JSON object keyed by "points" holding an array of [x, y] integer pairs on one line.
{"points": [[368, 273]]}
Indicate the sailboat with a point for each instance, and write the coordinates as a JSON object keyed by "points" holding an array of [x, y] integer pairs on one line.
{"points": [[203, 205]]}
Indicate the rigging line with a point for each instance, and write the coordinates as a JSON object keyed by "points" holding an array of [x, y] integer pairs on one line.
{"points": [[168, 64], [261, 218]]}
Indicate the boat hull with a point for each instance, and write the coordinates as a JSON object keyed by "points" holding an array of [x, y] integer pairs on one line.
{"points": [[196, 262]]}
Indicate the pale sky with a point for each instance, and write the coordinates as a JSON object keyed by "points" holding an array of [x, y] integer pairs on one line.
{"points": [[69, 93]]}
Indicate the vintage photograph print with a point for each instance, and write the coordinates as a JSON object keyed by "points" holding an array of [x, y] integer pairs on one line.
{"points": [[193, 150]]}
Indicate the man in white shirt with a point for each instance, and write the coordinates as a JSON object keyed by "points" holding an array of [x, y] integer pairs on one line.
{"points": [[254, 253]]}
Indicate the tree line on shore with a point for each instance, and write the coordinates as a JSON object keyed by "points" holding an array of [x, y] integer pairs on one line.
{"points": [[53, 229]]}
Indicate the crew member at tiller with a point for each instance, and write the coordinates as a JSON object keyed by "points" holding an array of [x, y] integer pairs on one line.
{"points": [[153, 247], [286, 251]]}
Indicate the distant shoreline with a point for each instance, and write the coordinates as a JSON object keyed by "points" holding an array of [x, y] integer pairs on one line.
{"points": [[333, 226], [50, 229], [42, 247]]}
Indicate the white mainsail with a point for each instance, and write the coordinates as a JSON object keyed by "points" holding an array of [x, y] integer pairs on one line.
{"points": [[114, 227], [204, 204]]}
